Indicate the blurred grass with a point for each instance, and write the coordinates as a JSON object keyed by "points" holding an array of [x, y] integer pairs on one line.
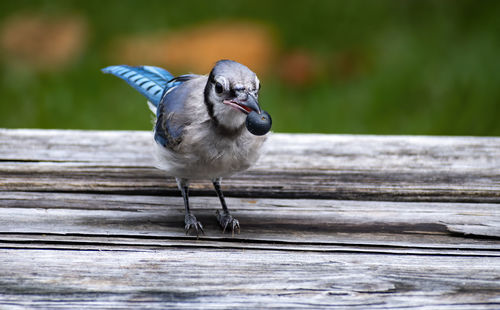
{"points": [[419, 67]]}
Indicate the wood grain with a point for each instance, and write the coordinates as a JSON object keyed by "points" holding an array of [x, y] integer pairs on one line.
{"points": [[328, 221], [247, 279], [312, 223], [399, 168]]}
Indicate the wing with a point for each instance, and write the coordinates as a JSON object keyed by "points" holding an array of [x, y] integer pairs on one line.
{"points": [[171, 116], [151, 82], [166, 99]]}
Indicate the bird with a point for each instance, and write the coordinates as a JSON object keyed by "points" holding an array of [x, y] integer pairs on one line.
{"points": [[206, 126]]}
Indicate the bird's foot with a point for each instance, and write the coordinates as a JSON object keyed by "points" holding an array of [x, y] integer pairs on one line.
{"points": [[227, 220], [193, 224]]}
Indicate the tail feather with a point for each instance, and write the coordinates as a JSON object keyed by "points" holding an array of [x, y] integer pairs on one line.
{"points": [[150, 81]]}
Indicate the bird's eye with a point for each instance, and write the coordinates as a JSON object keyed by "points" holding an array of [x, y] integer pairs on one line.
{"points": [[218, 88]]}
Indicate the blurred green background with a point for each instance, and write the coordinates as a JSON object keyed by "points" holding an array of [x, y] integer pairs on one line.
{"points": [[376, 67]]}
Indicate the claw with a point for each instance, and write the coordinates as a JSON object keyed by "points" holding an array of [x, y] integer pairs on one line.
{"points": [[225, 219], [193, 224]]}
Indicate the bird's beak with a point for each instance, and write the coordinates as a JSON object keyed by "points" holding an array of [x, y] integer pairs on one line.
{"points": [[247, 105]]}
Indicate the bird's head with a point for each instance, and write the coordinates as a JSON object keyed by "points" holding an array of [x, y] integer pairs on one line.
{"points": [[232, 92]]}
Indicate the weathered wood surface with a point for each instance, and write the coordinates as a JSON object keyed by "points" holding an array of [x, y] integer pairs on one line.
{"points": [[327, 221], [314, 166]]}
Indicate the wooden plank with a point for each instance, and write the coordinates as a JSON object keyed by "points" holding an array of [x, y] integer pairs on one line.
{"points": [[86, 221], [301, 151], [113, 242], [320, 225], [400, 168], [249, 279]]}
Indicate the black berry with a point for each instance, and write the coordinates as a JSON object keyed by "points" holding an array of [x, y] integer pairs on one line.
{"points": [[258, 124]]}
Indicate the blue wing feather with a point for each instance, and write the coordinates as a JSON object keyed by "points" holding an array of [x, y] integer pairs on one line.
{"points": [[154, 83], [150, 81]]}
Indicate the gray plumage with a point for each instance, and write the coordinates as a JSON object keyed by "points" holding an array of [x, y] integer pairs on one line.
{"points": [[204, 149], [200, 129]]}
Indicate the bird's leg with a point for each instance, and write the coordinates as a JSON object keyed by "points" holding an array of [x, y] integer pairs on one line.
{"points": [[190, 221], [224, 218]]}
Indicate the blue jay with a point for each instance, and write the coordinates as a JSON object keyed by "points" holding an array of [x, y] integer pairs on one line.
{"points": [[206, 126]]}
